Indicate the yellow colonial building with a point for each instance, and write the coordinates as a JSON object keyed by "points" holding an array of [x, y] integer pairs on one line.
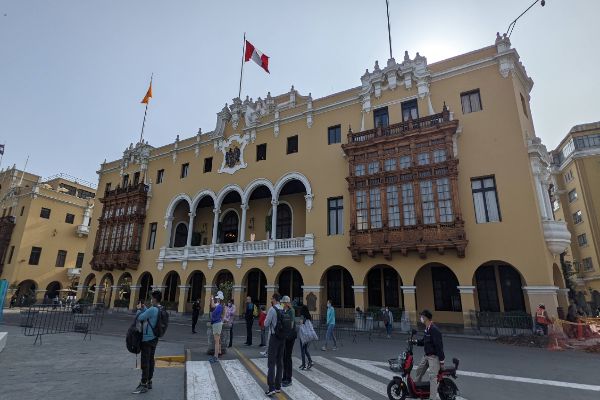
{"points": [[44, 227], [423, 187], [576, 164]]}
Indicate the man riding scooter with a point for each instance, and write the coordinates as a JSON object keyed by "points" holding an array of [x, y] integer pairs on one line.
{"points": [[434, 353]]}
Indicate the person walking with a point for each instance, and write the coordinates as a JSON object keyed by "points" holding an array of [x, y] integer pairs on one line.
{"points": [[230, 319], [148, 317], [290, 340], [434, 353], [330, 335], [275, 350], [216, 321], [195, 314], [306, 330], [249, 315], [388, 320], [261, 324]]}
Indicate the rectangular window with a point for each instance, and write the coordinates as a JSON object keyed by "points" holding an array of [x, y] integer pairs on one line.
{"points": [[125, 180], [587, 264], [524, 105], [45, 213], [361, 210], [335, 211], [373, 167], [152, 236], [471, 101], [485, 200], [380, 117], [208, 164], [423, 158], [136, 179], [69, 218], [375, 206], [107, 187], [359, 170], [444, 200], [577, 217], [404, 162], [427, 202], [446, 296], [10, 254], [410, 110], [334, 134], [582, 240], [184, 170], [390, 164], [34, 257], [393, 206], [292, 144], [568, 176], [572, 195], [160, 176], [61, 257], [79, 261], [22, 211], [408, 205], [439, 156], [261, 152]]}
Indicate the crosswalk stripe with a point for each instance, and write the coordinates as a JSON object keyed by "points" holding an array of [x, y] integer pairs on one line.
{"points": [[331, 384], [201, 383], [370, 366], [361, 379], [243, 383], [296, 392]]}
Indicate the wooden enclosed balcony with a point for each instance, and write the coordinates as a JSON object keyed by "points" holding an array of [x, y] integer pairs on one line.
{"points": [[7, 224]]}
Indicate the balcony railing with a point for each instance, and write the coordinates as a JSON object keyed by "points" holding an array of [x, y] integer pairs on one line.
{"points": [[301, 246], [82, 230], [431, 121]]}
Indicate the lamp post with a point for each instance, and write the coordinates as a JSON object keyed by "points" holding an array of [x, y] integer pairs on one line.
{"points": [[511, 26]]}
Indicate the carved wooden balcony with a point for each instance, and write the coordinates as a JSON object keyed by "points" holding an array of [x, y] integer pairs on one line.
{"points": [[7, 224]]}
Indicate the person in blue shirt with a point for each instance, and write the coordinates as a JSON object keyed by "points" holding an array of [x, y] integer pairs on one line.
{"points": [[148, 317], [216, 321], [330, 327]]}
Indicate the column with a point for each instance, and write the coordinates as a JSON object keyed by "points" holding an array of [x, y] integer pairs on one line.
{"points": [[271, 289], [183, 296], [360, 298], [81, 290], [98, 293], [274, 203], [546, 295], [239, 298], [209, 291], [312, 298], [563, 300], [410, 303], [168, 228], [113, 295], [192, 215], [216, 211], [242, 237], [467, 300], [133, 296]]}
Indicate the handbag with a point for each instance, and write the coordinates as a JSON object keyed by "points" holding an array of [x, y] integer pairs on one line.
{"points": [[307, 332]]}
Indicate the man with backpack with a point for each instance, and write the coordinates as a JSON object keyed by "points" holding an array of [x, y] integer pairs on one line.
{"points": [[274, 324], [250, 313], [195, 314], [154, 325], [289, 327]]}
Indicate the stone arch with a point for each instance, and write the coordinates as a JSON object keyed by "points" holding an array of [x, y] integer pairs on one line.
{"points": [[196, 281], [179, 215], [175, 201], [280, 207], [225, 191], [290, 282], [383, 284], [232, 228], [171, 285], [180, 232], [200, 195], [124, 289], [499, 287], [290, 177], [145, 283], [106, 288], [255, 281], [437, 290], [88, 279], [52, 289], [254, 185], [222, 276], [337, 284]]}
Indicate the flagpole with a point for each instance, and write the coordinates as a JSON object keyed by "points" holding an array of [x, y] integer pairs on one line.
{"points": [[145, 112], [387, 6], [23, 174], [2, 155], [242, 67]]}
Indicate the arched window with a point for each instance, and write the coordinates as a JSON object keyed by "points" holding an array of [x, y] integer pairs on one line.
{"points": [[284, 222], [229, 228], [181, 233]]}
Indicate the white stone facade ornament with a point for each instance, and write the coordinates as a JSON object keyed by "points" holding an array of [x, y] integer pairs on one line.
{"points": [[509, 61], [276, 124], [138, 154], [309, 111], [175, 147], [309, 201], [233, 153]]}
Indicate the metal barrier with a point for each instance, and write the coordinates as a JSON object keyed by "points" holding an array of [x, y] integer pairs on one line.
{"points": [[42, 319], [501, 324]]}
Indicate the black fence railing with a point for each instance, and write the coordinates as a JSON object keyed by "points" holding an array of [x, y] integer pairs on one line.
{"points": [[501, 324], [40, 319]]}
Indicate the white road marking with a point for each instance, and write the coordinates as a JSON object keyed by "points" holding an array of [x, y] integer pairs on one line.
{"points": [[297, 391], [330, 384], [243, 383], [201, 384], [371, 366], [363, 380]]}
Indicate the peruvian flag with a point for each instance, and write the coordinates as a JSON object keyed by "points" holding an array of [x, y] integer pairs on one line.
{"points": [[252, 53]]}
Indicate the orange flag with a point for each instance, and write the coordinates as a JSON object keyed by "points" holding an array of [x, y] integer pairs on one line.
{"points": [[148, 95]]}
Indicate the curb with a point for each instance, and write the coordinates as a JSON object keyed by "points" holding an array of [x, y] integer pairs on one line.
{"points": [[3, 338]]}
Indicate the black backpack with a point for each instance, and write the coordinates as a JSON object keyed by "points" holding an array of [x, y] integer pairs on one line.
{"points": [[133, 340], [162, 322], [284, 328]]}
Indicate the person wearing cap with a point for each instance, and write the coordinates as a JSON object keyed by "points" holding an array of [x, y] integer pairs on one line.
{"points": [[541, 319], [148, 317], [216, 321], [434, 353], [288, 346]]}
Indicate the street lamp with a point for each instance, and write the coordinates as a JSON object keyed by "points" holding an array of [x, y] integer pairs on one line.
{"points": [[511, 26]]}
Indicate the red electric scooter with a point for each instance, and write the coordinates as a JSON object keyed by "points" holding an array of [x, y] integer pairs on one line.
{"points": [[401, 387]]}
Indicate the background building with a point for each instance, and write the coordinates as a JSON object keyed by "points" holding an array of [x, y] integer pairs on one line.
{"points": [[576, 163], [424, 187], [44, 226]]}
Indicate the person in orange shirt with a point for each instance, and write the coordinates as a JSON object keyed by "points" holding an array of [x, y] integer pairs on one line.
{"points": [[541, 319], [261, 323]]}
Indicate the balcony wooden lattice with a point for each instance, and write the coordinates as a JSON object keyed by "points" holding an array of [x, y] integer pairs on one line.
{"points": [[7, 224]]}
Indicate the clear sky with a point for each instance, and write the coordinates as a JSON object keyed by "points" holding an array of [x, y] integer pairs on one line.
{"points": [[73, 72]]}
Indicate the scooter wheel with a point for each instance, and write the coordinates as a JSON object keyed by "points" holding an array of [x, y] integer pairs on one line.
{"points": [[395, 391], [447, 389]]}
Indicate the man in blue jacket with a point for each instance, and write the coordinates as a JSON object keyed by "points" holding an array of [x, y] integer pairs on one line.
{"points": [[148, 317], [330, 335], [434, 353]]}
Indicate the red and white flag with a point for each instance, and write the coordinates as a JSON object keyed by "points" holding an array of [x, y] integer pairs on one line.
{"points": [[252, 53]]}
